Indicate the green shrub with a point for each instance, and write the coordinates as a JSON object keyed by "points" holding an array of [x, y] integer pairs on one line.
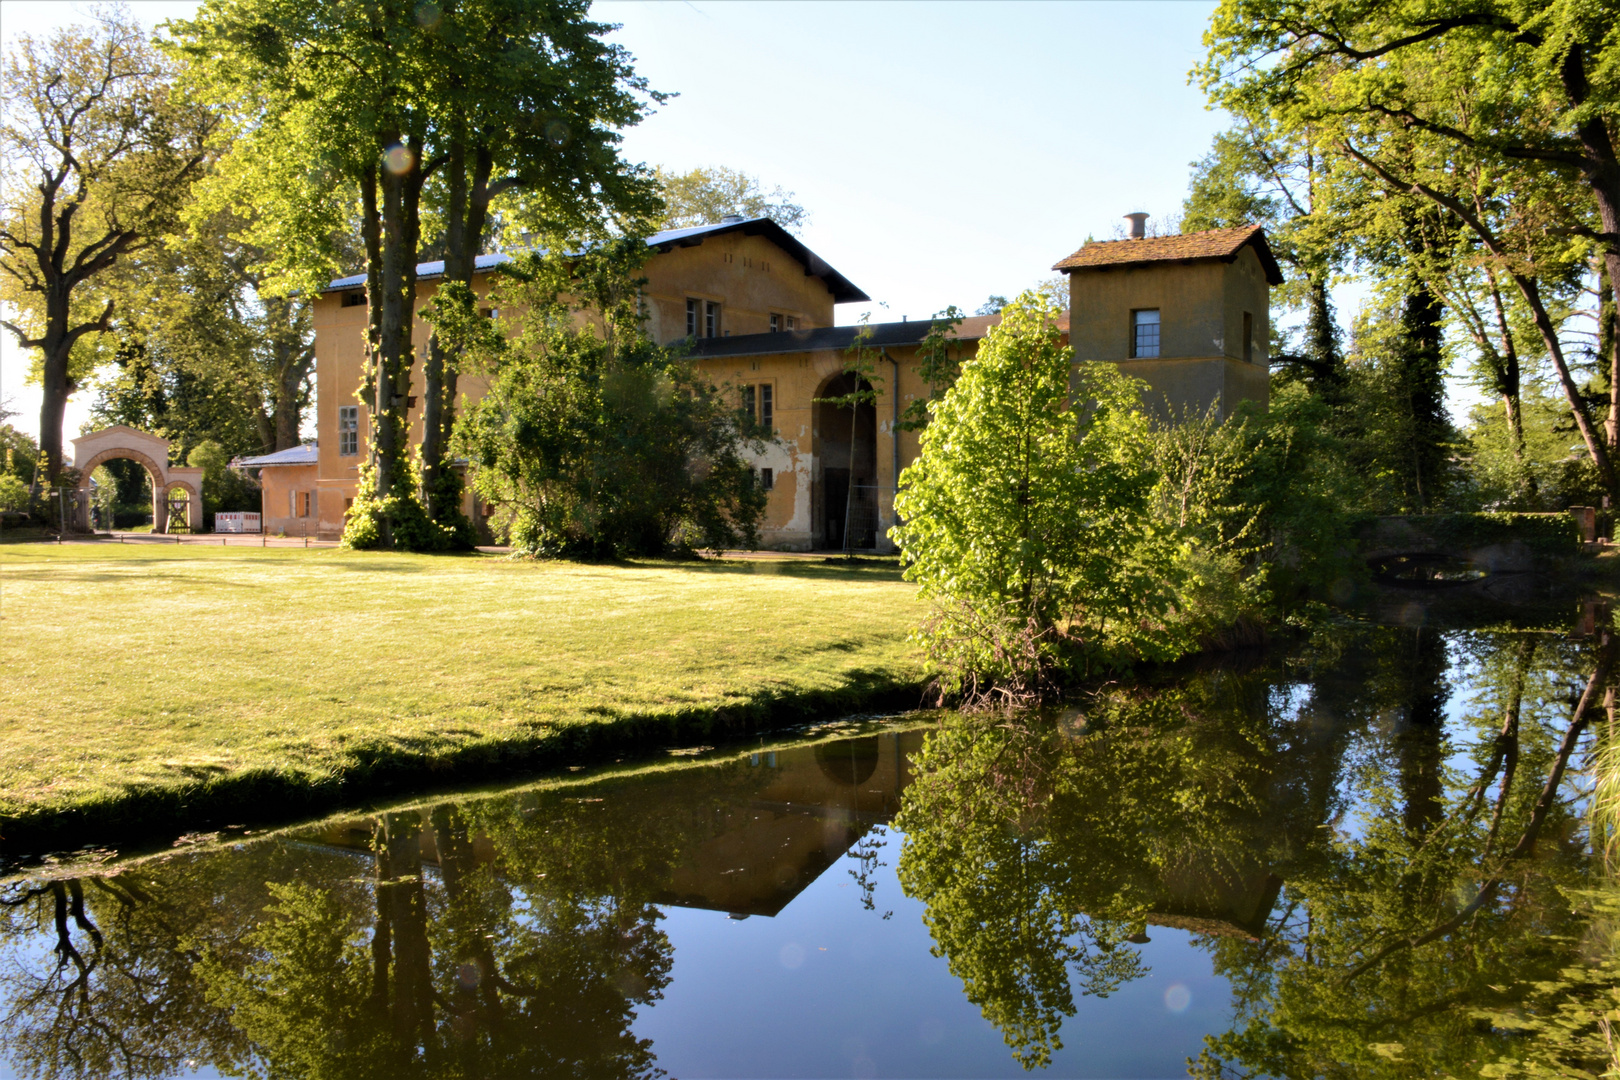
{"points": [[13, 493], [595, 442], [1028, 523]]}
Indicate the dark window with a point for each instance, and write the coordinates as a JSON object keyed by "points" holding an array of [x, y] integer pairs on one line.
{"points": [[776, 322], [767, 407], [692, 317], [767, 479], [748, 403], [792, 323], [711, 319], [348, 430], [354, 299], [1248, 337], [1145, 333]]}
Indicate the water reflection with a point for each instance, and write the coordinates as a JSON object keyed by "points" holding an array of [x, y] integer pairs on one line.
{"points": [[1372, 840], [1380, 888], [503, 937]]}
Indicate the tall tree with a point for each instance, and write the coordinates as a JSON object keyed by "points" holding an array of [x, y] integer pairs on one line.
{"points": [[99, 158], [327, 101], [703, 196], [339, 103], [1522, 94], [528, 102], [1257, 174], [204, 353]]}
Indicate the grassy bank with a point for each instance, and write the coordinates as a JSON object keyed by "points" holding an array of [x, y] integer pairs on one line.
{"points": [[147, 688]]}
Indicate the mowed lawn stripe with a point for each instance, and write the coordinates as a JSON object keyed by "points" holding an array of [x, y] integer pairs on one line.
{"points": [[133, 667]]}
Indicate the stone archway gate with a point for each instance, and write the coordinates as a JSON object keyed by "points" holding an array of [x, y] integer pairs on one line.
{"points": [[152, 452]]}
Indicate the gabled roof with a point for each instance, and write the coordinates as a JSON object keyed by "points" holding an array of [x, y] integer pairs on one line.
{"points": [[1223, 245], [884, 335], [814, 265], [307, 454]]}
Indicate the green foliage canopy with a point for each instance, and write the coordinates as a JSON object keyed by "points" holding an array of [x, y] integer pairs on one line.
{"points": [[1026, 517], [592, 440]]}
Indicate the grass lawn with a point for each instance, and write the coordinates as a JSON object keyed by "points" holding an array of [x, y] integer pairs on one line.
{"points": [[145, 681]]}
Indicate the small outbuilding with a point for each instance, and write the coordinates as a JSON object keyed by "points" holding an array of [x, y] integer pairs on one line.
{"points": [[287, 488]]}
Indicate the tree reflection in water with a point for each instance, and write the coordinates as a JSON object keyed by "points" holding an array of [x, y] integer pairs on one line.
{"points": [[458, 967], [1375, 841], [1386, 894], [502, 937]]}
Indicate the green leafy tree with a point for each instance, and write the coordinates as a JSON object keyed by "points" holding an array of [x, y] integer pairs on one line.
{"points": [[18, 453], [327, 103], [593, 440], [371, 104], [13, 493], [1301, 484], [1256, 174], [939, 364], [222, 487], [530, 99], [99, 158], [1498, 118], [1026, 518], [198, 312], [703, 196]]}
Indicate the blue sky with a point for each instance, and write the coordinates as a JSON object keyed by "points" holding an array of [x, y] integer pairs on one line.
{"points": [[945, 151]]}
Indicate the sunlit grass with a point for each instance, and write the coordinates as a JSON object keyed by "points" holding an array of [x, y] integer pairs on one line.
{"points": [[128, 669]]}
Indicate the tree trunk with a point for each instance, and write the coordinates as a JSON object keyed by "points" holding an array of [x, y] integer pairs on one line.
{"points": [[1596, 447], [53, 403], [292, 358], [435, 406], [1423, 375], [55, 387], [392, 230], [1322, 340], [1508, 373], [407, 915], [467, 181], [1609, 346]]}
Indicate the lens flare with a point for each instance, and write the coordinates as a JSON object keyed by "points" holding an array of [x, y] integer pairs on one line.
{"points": [[557, 133], [1177, 997], [399, 159], [792, 956]]}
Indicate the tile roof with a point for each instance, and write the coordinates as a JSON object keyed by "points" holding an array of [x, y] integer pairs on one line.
{"points": [[814, 265], [1221, 244], [839, 338]]}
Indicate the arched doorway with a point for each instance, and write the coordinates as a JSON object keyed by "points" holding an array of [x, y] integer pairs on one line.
{"points": [[153, 488], [843, 492], [152, 453], [123, 492]]}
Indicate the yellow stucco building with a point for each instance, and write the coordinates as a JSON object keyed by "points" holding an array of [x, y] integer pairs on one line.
{"points": [[1188, 314]]}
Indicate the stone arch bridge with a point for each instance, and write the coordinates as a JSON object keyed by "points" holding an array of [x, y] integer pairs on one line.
{"points": [[152, 453]]}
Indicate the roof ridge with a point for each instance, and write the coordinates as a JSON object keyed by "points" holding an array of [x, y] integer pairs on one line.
{"points": [[1205, 244]]}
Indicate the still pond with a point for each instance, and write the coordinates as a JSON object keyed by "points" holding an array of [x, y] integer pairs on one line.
{"points": [[1363, 855]]}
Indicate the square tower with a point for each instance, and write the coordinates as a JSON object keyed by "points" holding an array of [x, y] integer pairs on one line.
{"points": [[1190, 315]]}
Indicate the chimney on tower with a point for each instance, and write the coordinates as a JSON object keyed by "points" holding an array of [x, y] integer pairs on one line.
{"points": [[1138, 222]]}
